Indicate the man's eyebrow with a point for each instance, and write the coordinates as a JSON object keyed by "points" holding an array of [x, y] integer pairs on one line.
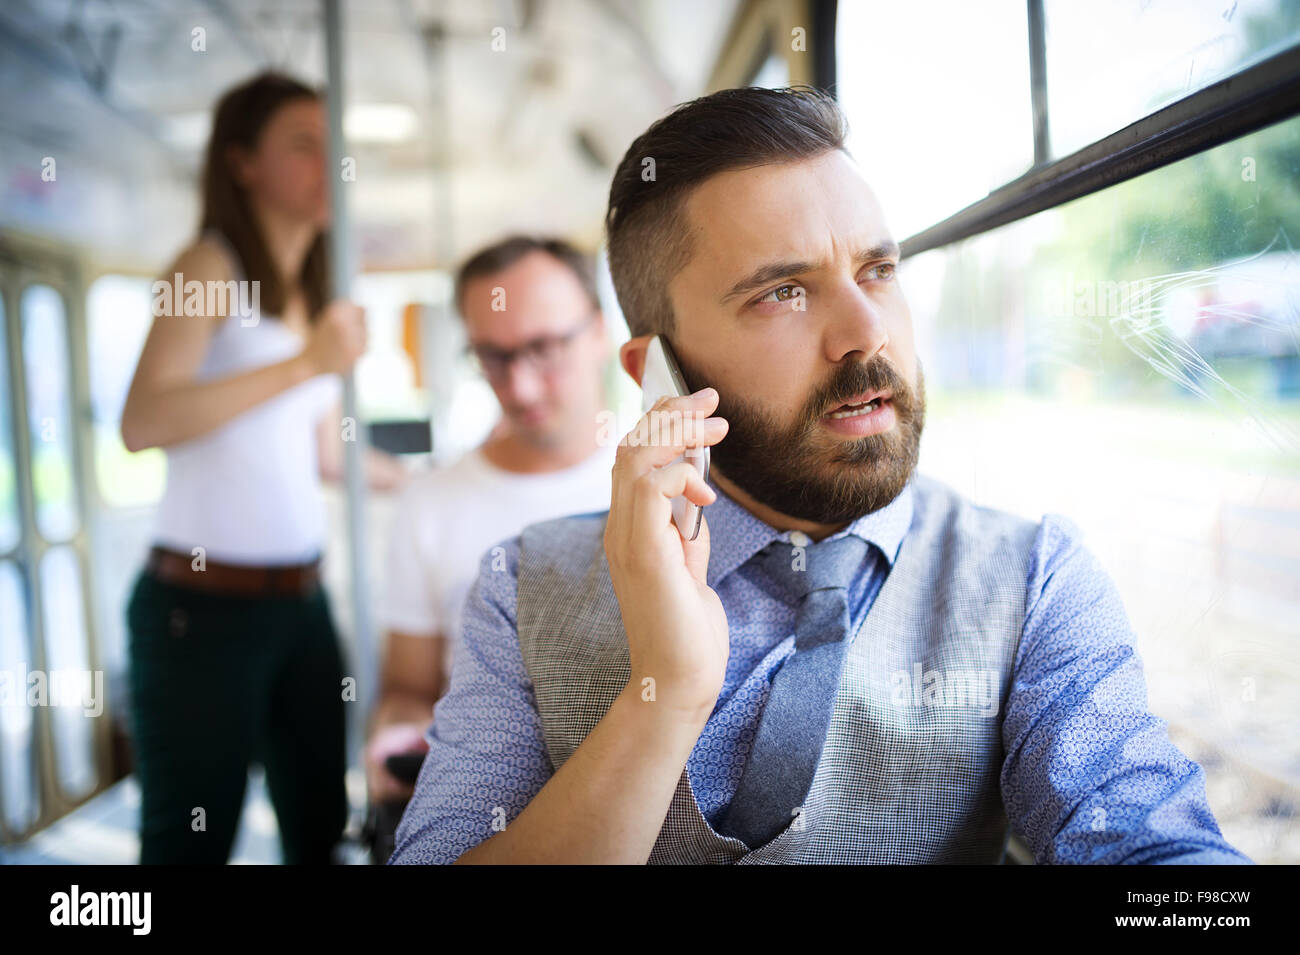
{"points": [[767, 273], [884, 249]]}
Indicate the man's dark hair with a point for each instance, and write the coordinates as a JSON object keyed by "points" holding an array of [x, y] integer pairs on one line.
{"points": [[649, 239], [501, 255]]}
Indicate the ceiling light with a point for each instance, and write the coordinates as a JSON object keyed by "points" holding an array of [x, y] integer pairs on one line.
{"points": [[380, 123]]}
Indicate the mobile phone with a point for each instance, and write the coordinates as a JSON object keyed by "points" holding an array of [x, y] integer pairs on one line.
{"points": [[405, 766], [663, 377]]}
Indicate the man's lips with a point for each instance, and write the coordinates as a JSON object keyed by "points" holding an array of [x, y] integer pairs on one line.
{"points": [[866, 396]]}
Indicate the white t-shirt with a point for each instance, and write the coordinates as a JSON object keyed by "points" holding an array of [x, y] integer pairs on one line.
{"points": [[446, 519], [248, 492]]}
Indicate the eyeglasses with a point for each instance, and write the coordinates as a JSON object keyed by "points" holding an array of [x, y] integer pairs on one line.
{"points": [[543, 354]]}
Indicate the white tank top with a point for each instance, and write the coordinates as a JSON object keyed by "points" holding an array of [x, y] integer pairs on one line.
{"points": [[248, 492]]}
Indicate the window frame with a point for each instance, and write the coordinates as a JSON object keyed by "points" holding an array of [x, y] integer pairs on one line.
{"points": [[25, 263], [1259, 95]]}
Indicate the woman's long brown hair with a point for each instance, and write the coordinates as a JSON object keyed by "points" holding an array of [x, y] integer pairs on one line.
{"points": [[242, 114]]}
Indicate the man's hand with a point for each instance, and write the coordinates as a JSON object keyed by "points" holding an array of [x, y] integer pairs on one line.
{"points": [[606, 804], [676, 627], [391, 740]]}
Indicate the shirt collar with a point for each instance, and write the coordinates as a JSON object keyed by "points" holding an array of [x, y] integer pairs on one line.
{"points": [[736, 535]]}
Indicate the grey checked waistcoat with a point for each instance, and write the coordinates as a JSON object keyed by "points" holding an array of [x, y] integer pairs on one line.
{"points": [[909, 772]]}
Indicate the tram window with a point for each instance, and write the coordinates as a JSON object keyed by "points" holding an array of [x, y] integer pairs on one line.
{"points": [[74, 697], [385, 375], [1132, 360], [118, 315], [938, 132], [10, 524], [1109, 63], [17, 778], [461, 406], [49, 412]]}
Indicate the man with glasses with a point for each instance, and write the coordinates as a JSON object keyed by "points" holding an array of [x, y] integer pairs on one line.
{"points": [[535, 331]]}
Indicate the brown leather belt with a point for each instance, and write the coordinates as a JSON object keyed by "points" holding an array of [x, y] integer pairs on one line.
{"points": [[236, 580]]}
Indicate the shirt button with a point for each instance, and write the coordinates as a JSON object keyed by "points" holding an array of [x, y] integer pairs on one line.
{"points": [[800, 539]]}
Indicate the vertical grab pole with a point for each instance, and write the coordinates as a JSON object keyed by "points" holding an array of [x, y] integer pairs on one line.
{"points": [[1038, 81], [341, 267]]}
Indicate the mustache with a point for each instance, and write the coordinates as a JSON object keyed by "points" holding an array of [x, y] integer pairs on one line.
{"points": [[853, 379], [876, 374]]}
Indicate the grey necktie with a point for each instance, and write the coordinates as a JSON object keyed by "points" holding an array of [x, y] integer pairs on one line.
{"points": [[795, 720]]}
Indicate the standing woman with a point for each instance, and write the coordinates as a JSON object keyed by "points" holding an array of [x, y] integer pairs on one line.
{"points": [[233, 653]]}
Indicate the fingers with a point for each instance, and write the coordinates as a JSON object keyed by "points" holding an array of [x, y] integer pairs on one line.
{"points": [[645, 479], [669, 428], [697, 552], [651, 505], [347, 324], [663, 433], [396, 738], [676, 480]]}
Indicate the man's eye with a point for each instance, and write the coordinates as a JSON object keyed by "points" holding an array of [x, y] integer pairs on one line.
{"points": [[779, 297], [885, 270], [541, 350]]}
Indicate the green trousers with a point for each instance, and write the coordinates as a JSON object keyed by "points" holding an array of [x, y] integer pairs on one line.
{"points": [[217, 683]]}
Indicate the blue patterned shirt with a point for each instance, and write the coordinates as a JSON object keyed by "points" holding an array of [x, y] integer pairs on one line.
{"points": [[1076, 725]]}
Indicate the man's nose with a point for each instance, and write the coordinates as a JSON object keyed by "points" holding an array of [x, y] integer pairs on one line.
{"points": [[857, 323], [522, 384]]}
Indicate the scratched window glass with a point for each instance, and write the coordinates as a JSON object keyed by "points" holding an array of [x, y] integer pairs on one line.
{"points": [[1111, 62], [1132, 360]]}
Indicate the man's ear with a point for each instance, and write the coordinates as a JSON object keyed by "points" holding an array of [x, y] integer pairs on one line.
{"points": [[631, 354]]}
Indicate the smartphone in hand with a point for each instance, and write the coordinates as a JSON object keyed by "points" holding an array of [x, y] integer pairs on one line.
{"points": [[662, 377]]}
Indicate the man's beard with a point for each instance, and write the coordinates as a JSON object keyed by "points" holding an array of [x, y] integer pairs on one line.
{"points": [[816, 477]]}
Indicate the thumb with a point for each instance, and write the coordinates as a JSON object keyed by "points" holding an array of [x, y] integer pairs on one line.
{"points": [[697, 552]]}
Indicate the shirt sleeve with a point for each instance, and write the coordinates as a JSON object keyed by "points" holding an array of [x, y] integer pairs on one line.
{"points": [[410, 600], [1090, 775], [487, 754]]}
